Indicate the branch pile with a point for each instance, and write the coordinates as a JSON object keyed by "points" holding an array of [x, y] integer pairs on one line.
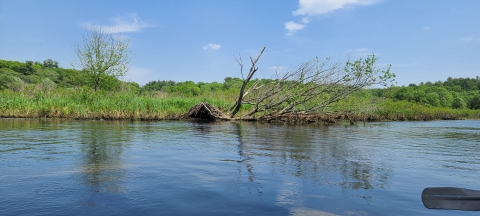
{"points": [[206, 111]]}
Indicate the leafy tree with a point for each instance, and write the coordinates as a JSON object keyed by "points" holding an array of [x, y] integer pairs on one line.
{"points": [[49, 63], [187, 88], [475, 102], [103, 56], [132, 87], [432, 99], [50, 74], [230, 82], [28, 68], [157, 85], [8, 71], [459, 103]]}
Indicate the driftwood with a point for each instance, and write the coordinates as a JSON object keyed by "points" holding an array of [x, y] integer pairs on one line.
{"points": [[206, 111]]}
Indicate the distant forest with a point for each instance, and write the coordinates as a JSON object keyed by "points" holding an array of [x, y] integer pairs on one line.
{"points": [[456, 93]]}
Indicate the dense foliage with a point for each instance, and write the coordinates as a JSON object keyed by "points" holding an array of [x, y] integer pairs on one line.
{"points": [[456, 93], [14, 75]]}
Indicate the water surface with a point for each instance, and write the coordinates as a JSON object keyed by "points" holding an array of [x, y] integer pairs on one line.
{"points": [[67, 167]]}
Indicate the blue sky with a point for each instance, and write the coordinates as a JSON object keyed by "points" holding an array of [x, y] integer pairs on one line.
{"points": [[181, 40]]}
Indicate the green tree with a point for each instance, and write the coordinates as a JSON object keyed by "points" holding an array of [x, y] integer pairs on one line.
{"points": [[475, 102], [28, 68], [459, 103], [103, 55], [157, 85], [49, 63]]}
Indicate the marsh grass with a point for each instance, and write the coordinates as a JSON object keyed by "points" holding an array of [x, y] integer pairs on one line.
{"points": [[84, 103]]}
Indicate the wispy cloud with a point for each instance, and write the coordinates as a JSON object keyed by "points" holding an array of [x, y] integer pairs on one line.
{"points": [[292, 27], [121, 24], [310, 8], [316, 7], [212, 46]]}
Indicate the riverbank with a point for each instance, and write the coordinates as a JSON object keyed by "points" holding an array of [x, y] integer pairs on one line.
{"points": [[83, 103]]}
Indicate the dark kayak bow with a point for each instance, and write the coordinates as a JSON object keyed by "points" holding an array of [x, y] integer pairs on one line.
{"points": [[451, 198]]}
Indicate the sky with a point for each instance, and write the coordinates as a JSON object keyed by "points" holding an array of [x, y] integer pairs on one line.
{"points": [[182, 40]]}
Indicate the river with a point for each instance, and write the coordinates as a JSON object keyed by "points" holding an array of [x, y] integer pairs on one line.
{"points": [[68, 167]]}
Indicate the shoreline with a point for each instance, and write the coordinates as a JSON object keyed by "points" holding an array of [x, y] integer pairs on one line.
{"points": [[295, 118]]}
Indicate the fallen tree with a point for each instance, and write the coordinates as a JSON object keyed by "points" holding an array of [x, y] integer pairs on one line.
{"points": [[306, 91]]}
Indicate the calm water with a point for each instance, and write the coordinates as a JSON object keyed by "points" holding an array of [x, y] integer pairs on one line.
{"points": [[66, 167]]}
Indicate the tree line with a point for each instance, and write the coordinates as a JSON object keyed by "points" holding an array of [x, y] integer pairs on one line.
{"points": [[456, 93], [15, 74]]}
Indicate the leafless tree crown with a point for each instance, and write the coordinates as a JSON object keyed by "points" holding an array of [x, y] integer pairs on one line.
{"points": [[311, 87]]}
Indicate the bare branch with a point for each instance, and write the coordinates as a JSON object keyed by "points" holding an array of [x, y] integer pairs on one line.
{"points": [[253, 69], [315, 85]]}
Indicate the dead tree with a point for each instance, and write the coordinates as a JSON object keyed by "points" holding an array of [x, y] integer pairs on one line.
{"points": [[312, 87], [308, 90], [238, 104]]}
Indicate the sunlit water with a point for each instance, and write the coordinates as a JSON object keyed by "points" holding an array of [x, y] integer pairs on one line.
{"points": [[67, 167]]}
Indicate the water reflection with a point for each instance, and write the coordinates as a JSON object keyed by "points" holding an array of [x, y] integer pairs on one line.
{"points": [[245, 159], [310, 152], [57, 167], [102, 164]]}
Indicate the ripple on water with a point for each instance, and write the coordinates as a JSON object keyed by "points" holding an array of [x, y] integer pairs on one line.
{"points": [[234, 168]]}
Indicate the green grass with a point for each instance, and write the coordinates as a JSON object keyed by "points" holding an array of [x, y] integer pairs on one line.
{"points": [[403, 110], [84, 103]]}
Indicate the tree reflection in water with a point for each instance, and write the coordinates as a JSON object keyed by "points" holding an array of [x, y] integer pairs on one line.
{"points": [[245, 160], [102, 164], [327, 155]]}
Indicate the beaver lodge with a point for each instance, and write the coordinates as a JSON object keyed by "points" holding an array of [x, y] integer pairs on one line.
{"points": [[206, 111]]}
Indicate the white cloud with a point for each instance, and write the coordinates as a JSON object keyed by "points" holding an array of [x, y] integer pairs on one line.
{"points": [[128, 23], [316, 7], [212, 46], [292, 27], [309, 8]]}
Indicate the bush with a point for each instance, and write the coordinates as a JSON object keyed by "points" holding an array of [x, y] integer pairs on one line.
{"points": [[459, 103], [47, 85], [10, 82]]}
